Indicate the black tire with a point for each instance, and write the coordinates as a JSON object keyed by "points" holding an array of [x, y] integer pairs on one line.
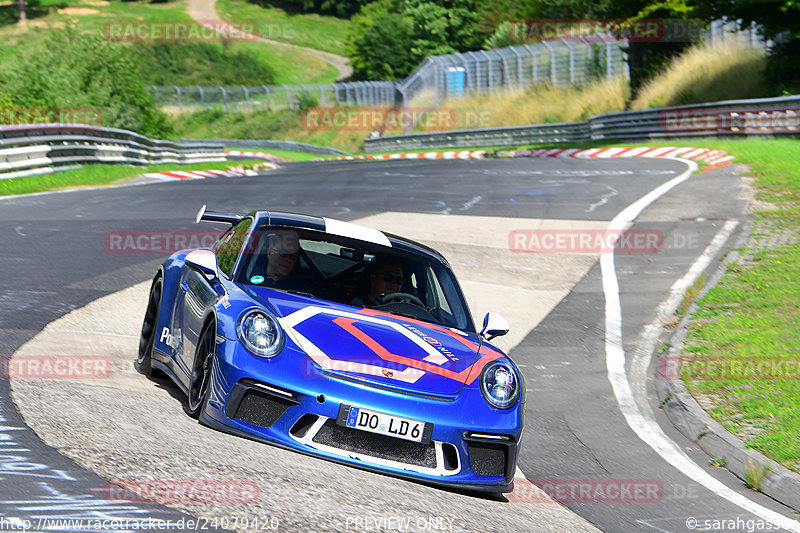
{"points": [[200, 382], [147, 339]]}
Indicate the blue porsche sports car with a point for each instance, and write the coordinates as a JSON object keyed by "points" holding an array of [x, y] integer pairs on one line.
{"points": [[338, 341]]}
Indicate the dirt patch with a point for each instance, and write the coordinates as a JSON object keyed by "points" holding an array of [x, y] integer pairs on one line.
{"points": [[78, 11], [43, 24]]}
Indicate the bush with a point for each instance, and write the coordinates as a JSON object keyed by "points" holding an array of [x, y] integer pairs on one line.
{"points": [[201, 64], [782, 71], [501, 38], [70, 69]]}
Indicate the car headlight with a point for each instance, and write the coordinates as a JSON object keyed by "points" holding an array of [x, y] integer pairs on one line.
{"points": [[500, 384], [260, 333]]}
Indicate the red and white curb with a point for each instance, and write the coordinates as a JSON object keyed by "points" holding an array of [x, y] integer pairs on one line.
{"points": [[199, 174], [707, 155], [203, 174], [256, 155], [715, 158], [465, 154]]}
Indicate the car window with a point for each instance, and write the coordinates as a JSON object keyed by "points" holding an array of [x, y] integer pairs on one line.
{"points": [[230, 244]]}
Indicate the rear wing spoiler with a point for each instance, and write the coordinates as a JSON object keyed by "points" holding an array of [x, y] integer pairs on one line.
{"points": [[214, 216]]}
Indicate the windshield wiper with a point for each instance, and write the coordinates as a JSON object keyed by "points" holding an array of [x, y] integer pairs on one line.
{"points": [[294, 291], [398, 313]]}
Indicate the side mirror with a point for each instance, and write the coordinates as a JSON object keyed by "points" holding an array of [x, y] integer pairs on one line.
{"points": [[203, 261], [494, 325]]}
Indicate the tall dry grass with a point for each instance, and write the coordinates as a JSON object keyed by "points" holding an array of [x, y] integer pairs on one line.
{"points": [[707, 73], [536, 105]]}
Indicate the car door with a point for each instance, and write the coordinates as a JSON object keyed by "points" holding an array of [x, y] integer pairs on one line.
{"points": [[198, 294]]}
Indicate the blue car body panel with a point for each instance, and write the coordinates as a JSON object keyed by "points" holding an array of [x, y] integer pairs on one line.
{"points": [[335, 357]]}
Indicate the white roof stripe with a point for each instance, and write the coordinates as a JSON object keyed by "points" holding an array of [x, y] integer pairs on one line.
{"points": [[354, 231]]}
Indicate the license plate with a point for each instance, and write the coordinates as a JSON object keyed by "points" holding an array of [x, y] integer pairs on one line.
{"points": [[382, 424]]}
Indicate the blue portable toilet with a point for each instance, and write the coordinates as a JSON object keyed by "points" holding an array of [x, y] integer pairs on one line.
{"points": [[455, 81]]}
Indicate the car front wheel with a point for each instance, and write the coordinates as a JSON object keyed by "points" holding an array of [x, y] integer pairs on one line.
{"points": [[147, 339], [201, 372]]}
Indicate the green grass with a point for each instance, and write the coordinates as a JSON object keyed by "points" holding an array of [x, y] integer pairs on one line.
{"points": [[303, 29], [98, 175], [280, 124], [752, 314], [290, 66], [284, 154]]}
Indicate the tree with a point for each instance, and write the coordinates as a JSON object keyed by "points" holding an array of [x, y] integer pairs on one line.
{"points": [[337, 8], [389, 38]]}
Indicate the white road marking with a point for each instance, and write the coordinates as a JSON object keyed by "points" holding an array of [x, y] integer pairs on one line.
{"points": [[603, 199], [471, 203], [646, 428]]}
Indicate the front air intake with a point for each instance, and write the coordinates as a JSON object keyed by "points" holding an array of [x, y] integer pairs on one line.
{"points": [[258, 404]]}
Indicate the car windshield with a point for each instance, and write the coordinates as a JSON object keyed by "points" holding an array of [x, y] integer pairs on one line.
{"points": [[353, 272]]}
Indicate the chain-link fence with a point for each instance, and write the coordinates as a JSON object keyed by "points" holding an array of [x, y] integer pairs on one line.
{"points": [[271, 97], [558, 63], [731, 31]]}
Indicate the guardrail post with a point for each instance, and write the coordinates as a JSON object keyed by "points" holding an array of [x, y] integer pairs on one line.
{"points": [[477, 85], [505, 80], [436, 80], [587, 68], [266, 90], [406, 125], [247, 98], [553, 71], [519, 66], [571, 61], [288, 97], [534, 64], [224, 99], [180, 103], [489, 76]]}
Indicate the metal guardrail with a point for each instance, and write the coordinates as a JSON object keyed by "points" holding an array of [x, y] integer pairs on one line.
{"points": [[289, 146], [29, 149], [732, 118]]}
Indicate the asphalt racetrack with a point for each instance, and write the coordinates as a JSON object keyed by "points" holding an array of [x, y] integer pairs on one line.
{"points": [[594, 438]]}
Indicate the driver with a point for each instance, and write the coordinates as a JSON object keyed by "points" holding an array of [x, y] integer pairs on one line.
{"points": [[282, 254], [384, 278]]}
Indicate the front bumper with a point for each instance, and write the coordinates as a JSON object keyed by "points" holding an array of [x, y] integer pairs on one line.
{"points": [[472, 445]]}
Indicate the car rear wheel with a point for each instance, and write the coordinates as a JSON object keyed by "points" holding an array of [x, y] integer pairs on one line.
{"points": [[201, 371], [148, 337]]}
